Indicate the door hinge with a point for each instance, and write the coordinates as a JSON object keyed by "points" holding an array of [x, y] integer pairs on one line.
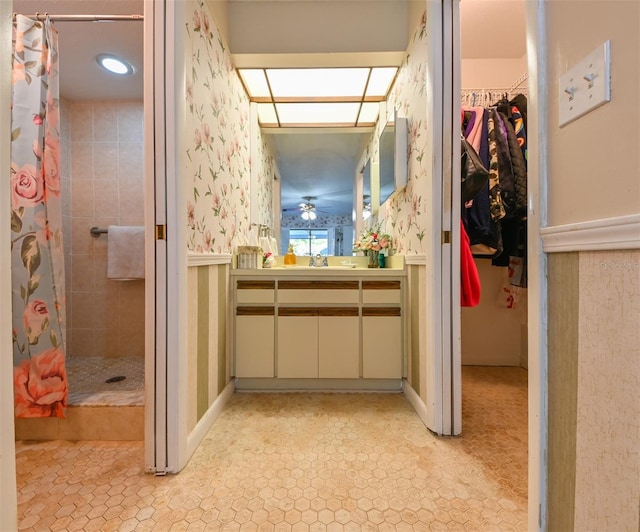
{"points": [[446, 237], [161, 232]]}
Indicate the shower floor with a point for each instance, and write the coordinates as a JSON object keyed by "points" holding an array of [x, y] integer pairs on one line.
{"points": [[87, 378]]}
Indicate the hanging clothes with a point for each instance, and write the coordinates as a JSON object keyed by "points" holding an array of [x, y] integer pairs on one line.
{"points": [[470, 288], [496, 218]]}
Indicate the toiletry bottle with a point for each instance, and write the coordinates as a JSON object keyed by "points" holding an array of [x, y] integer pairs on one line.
{"points": [[290, 257]]}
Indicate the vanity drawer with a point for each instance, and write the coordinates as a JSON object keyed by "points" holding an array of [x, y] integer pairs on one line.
{"points": [[387, 292], [255, 292], [318, 292], [255, 296]]}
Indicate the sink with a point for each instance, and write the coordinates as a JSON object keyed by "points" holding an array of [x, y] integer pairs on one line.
{"points": [[320, 268], [302, 267]]}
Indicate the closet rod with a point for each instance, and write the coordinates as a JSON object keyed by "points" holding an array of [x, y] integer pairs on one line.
{"points": [[83, 18]]}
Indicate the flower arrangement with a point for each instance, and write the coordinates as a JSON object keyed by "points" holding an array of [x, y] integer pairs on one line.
{"points": [[373, 239], [268, 260]]}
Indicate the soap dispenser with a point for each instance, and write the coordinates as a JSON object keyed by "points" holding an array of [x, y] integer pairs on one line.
{"points": [[290, 257]]}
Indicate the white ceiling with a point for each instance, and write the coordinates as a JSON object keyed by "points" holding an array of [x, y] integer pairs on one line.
{"points": [[80, 42], [316, 164]]}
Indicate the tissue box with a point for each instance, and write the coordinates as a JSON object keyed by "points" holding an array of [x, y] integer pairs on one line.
{"points": [[249, 257]]}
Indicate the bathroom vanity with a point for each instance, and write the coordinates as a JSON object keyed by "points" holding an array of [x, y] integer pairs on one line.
{"points": [[318, 328]]}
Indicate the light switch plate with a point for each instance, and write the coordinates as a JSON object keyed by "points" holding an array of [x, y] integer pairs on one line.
{"points": [[586, 86]]}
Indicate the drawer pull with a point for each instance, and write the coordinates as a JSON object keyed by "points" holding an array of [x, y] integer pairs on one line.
{"points": [[381, 311], [318, 311], [255, 311], [318, 285], [381, 285], [256, 285]]}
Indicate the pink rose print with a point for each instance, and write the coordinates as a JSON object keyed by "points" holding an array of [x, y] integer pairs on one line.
{"points": [[36, 320], [19, 42], [40, 385], [44, 233], [18, 73], [51, 165], [27, 187]]}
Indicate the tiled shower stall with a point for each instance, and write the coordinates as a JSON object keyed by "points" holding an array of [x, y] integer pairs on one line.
{"points": [[102, 185]]}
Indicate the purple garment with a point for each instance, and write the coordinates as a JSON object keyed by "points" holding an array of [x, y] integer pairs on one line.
{"points": [[470, 124]]}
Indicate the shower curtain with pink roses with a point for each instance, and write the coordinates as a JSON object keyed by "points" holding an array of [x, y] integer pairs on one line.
{"points": [[40, 382]]}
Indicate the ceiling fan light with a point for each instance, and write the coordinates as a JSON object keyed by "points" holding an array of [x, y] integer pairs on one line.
{"points": [[312, 215], [305, 215]]}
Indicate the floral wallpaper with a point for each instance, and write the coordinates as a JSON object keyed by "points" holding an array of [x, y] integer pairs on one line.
{"points": [[218, 137], [404, 216], [265, 176]]}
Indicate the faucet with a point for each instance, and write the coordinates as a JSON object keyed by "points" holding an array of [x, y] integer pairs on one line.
{"points": [[318, 261]]}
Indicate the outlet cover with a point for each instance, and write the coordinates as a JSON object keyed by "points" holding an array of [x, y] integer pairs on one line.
{"points": [[586, 86]]}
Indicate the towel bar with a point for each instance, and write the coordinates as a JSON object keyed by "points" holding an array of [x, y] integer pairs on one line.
{"points": [[96, 231]]}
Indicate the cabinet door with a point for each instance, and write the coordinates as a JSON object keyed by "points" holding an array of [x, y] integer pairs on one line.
{"points": [[339, 347], [254, 340], [381, 344], [297, 346]]}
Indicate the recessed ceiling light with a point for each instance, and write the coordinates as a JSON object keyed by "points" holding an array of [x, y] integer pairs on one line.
{"points": [[113, 64]]}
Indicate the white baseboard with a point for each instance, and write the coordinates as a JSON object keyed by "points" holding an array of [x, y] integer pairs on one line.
{"points": [[621, 232], [200, 431], [416, 402]]}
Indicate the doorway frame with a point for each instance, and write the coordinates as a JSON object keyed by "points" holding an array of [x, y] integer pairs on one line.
{"points": [[448, 337], [537, 262]]}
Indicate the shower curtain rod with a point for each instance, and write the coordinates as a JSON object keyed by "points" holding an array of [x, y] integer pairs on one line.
{"points": [[84, 18]]}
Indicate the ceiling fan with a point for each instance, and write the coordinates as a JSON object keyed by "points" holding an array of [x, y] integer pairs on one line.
{"points": [[307, 209]]}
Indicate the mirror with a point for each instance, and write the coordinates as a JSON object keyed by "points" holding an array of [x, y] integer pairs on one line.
{"points": [[393, 157], [366, 190], [387, 146], [321, 163]]}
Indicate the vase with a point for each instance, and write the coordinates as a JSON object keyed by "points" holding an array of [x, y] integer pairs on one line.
{"points": [[373, 258]]}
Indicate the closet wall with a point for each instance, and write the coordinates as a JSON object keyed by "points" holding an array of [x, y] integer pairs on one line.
{"points": [[493, 335]]}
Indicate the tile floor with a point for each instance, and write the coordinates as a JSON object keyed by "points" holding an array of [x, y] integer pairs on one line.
{"points": [[301, 462]]}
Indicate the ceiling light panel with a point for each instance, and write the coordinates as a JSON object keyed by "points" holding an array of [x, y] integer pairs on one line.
{"points": [[256, 82], [318, 82], [368, 113], [267, 115], [380, 81], [317, 113]]}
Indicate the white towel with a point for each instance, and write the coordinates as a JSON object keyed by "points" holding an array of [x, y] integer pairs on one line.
{"points": [[274, 246], [125, 252], [253, 237], [265, 244]]}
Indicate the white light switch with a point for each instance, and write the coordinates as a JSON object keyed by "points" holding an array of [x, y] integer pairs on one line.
{"points": [[585, 86]]}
